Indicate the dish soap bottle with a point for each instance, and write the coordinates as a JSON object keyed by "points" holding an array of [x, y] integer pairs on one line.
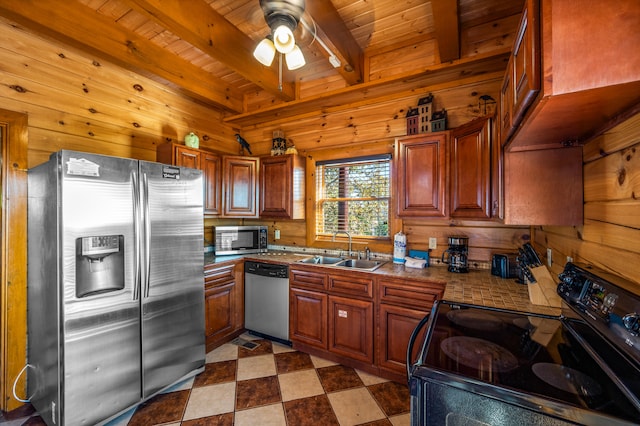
{"points": [[399, 247]]}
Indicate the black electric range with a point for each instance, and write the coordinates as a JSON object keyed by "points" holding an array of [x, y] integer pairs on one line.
{"points": [[481, 366]]}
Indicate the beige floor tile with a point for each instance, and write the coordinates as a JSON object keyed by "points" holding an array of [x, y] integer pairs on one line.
{"points": [[279, 348], [249, 336], [211, 400], [269, 415], [401, 420], [256, 366], [226, 352], [355, 406], [300, 384], [370, 379], [320, 362]]}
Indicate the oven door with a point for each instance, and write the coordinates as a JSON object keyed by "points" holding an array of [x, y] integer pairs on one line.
{"points": [[438, 399]]}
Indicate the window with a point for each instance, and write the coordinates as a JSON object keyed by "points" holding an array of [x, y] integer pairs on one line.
{"points": [[353, 195]]}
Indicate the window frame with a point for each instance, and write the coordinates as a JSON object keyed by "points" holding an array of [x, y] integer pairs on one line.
{"points": [[378, 244]]}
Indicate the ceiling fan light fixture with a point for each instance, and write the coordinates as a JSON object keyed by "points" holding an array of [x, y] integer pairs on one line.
{"points": [[283, 39], [264, 52], [295, 59]]}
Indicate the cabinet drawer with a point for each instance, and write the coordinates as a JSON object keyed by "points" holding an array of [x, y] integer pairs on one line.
{"points": [[315, 280], [215, 276], [416, 294], [351, 285]]}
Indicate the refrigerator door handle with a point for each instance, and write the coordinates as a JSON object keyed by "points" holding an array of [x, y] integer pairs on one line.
{"points": [[147, 234], [136, 227]]}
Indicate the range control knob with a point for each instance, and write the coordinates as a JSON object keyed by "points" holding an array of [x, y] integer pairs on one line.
{"points": [[632, 323]]}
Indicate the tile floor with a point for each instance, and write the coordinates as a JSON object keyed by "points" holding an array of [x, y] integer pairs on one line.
{"points": [[270, 385]]}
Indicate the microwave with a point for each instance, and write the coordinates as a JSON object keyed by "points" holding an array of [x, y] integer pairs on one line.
{"points": [[240, 239]]}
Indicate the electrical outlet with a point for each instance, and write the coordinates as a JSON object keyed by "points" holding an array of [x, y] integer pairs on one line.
{"points": [[569, 259], [433, 243], [276, 234], [549, 258]]}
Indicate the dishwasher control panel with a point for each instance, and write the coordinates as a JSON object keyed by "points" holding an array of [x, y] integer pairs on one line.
{"points": [[266, 269]]}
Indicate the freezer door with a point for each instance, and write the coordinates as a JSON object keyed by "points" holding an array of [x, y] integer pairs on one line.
{"points": [[172, 274], [100, 300]]}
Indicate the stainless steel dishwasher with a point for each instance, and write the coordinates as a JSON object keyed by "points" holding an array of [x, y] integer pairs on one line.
{"points": [[266, 300]]}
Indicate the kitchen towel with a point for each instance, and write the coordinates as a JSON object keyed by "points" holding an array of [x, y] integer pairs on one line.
{"points": [[411, 262]]}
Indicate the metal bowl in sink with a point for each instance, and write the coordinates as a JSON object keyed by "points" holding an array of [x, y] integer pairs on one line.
{"points": [[369, 265], [322, 260]]}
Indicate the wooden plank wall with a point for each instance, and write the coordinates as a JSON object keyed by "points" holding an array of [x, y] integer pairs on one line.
{"points": [[610, 236], [79, 102]]}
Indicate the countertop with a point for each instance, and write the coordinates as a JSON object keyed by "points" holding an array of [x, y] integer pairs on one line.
{"points": [[476, 287]]}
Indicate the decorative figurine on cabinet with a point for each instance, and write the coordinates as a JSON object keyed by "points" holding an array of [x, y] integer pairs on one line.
{"points": [[425, 106], [243, 144], [439, 121], [413, 124], [278, 143]]}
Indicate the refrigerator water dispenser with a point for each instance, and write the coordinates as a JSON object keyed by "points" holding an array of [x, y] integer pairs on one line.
{"points": [[99, 264]]}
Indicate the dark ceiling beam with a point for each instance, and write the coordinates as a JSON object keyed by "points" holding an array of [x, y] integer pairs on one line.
{"points": [[80, 27], [334, 32], [447, 28], [200, 25]]}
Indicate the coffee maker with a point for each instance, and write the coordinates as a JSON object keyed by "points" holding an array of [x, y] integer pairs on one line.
{"points": [[456, 255]]}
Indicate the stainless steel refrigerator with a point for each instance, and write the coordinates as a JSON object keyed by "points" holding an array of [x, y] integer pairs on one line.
{"points": [[115, 284]]}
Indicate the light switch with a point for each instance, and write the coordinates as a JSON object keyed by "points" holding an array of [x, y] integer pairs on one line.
{"points": [[276, 234]]}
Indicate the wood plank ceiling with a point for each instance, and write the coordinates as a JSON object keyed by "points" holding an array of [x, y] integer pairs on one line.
{"points": [[204, 47]]}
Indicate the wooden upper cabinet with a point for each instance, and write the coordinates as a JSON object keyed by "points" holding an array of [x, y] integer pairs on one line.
{"points": [[187, 157], [211, 167], [421, 175], [470, 167], [574, 69], [282, 187], [208, 162], [240, 183], [526, 60], [543, 187]]}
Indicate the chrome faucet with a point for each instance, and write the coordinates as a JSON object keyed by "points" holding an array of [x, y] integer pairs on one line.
{"points": [[348, 235]]}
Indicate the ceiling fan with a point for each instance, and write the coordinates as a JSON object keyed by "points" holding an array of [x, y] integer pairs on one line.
{"points": [[283, 17]]}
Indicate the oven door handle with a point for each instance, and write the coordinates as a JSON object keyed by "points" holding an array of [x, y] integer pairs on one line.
{"points": [[412, 341]]}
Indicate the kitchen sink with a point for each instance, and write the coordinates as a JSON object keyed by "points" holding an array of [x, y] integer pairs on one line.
{"points": [[365, 265], [322, 260], [369, 265]]}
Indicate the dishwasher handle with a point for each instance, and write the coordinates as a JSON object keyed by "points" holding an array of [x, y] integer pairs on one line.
{"points": [[266, 269]]}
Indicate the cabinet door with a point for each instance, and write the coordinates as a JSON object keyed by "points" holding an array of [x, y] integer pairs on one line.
{"points": [[351, 328], [308, 317], [506, 104], [396, 325], [240, 183], [275, 187], [219, 311], [470, 157], [210, 165], [187, 157], [526, 61], [421, 185]]}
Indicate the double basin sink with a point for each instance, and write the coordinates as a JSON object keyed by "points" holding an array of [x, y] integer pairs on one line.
{"points": [[359, 264]]}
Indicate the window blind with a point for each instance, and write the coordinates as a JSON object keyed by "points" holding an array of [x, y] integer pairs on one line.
{"points": [[353, 195]]}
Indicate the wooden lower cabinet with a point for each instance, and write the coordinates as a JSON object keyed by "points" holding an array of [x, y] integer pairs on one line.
{"points": [[351, 328], [396, 325], [223, 298], [357, 319], [308, 317]]}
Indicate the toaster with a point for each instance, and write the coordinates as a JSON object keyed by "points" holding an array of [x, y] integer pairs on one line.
{"points": [[505, 265]]}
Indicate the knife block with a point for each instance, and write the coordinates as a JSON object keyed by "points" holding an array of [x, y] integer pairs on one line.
{"points": [[543, 291]]}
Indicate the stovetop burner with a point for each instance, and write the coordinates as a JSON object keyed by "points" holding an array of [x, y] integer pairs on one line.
{"points": [[567, 379], [479, 354]]}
